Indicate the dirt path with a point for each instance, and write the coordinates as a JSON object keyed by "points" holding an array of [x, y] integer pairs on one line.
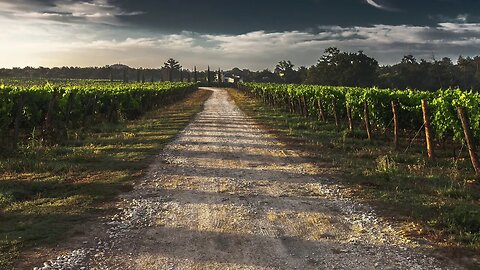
{"points": [[226, 195]]}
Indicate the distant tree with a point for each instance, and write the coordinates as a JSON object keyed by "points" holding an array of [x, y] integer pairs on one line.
{"points": [[469, 72], [302, 74], [125, 76], [341, 68], [407, 73], [171, 66], [409, 60], [266, 76], [284, 70], [208, 75], [360, 70], [313, 76]]}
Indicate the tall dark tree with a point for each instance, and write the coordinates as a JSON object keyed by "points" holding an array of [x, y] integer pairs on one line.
{"points": [[171, 66], [208, 75]]}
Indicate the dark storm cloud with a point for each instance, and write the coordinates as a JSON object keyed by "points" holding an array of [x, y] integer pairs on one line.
{"points": [[228, 17], [218, 16], [249, 33]]}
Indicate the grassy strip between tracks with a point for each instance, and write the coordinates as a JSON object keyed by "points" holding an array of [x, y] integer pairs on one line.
{"points": [[435, 200], [44, 191]]}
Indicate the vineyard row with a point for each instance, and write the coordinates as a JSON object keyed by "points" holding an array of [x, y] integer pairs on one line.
{"points": [[51, 110], [450, 114]]}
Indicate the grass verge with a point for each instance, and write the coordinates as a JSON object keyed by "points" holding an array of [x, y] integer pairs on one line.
{"points": [[432, 200], [45, 191]]}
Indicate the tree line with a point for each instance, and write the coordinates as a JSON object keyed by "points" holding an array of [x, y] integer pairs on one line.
{"points": [[334, 67], [170, 71], [337, 68]]}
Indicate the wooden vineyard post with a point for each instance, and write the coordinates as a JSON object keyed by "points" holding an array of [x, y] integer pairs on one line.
{"points": [[428, 129], [48, 124], [17, 122], [350, 118], [68, 111], [368, 127], [395, 124], [322, 114], [305, 106], [335, 114], [300, 106], [462, 114]]}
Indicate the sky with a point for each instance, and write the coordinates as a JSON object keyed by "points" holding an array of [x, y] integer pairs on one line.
{"points": [[254, 34]]}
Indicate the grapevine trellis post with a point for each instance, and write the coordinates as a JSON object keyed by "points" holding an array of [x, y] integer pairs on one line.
{"points": [[368, 127], [17, 121], [68, 109], [428, 129], [48, 124], [335, 114], [462, 114], [350, 118], [305, 101], [322, 114], [395, 124]]}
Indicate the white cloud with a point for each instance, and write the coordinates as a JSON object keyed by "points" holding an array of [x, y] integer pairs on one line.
{"points": [[460, 27], [95, 11], [374, 3], [40, 42]]}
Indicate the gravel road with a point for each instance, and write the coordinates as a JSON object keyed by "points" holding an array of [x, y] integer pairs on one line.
{"points": [[227, 195]]}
